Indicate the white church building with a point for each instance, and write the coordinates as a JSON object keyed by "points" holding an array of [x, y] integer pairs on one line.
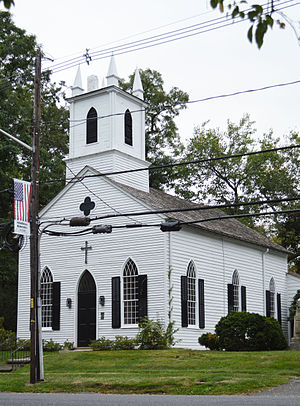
{"points": [[95, 285]]}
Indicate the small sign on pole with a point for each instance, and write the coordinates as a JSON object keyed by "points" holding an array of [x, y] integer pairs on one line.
{"points": [[22, 191]]}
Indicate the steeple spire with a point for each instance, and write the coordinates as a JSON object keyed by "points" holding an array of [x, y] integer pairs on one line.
{"points": [[137, 88], [77, 87], [112, 75]]}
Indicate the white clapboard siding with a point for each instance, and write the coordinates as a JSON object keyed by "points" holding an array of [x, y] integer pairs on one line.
{"points": [[64, 257]]}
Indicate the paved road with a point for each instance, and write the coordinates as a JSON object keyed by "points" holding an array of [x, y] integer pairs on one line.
{"points": [[90, 399]]}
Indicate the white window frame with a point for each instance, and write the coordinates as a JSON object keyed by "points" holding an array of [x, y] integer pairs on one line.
{"points": [[236, 290], [272, 297], [47, 297], [130, 299], [191, 294]]}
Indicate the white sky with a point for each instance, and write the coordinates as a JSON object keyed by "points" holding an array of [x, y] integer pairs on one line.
{"points": [[217, 62]]}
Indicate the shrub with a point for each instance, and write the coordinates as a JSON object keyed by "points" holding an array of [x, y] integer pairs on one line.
{"points": [[124, 343], [68, 345], [25, 344], [242, 331], [51, 346], [153, 335], [6, 337], [102, 344], [210, 340]]}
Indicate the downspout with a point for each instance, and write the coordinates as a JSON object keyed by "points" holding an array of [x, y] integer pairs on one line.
{"points": [[263, 279]]}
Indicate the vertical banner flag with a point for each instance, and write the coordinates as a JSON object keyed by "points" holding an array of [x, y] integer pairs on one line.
{"points": [[22, 191]]}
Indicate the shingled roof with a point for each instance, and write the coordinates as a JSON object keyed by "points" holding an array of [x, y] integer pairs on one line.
{"points": [[232, 228]]}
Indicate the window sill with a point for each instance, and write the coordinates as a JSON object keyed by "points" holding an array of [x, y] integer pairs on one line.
{"points": [[129, 326], [47, 329]]}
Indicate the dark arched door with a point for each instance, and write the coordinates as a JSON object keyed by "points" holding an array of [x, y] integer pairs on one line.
{"points": [[86, 310]]}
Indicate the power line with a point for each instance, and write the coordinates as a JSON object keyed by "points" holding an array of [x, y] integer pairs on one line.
{"points": [[133, 226], [173, 165], [159, 39], [197, 208]]}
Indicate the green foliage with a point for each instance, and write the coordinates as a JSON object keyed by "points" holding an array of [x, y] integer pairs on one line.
{"points": [[102, 344], [163, 145], [17, 57], [242, 331], [7, 3], [124, 343], [25, 344], [1, 322], [68, 345], [260, 21], [153, 335], [210, 341], [51, 346], [268, 176], [6, 335]]}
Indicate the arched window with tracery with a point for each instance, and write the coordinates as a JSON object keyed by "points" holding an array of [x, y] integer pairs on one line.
{"points": [[236, 285], [46, 297], [191, 293], [92, 126], [272, 297], [130, 292], [128, 127]]}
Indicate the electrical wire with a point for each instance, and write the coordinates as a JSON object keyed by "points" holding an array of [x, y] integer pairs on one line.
{"points": [[159, 40], [174, 165], [197, 208], [217, 218]]}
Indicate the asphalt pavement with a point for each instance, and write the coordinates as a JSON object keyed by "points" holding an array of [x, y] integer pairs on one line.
{"points": [[283, 395]]}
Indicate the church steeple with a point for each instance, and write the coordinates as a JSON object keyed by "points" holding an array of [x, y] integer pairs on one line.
{"points": [[112, 75], [109, 130], [77, 87], [137, 88]]}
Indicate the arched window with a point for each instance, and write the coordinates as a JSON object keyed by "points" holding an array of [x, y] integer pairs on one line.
{"points": [[91, 126], [46, 297], [236, 284], [191, 293], [272, 297], [130, 292], [128, 127]]}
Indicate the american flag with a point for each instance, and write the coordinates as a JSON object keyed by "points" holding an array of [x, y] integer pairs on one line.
{"points": [[22, 191]]}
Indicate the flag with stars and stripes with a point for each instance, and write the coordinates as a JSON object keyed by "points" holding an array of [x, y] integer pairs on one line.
{"points": [[22, 191]]}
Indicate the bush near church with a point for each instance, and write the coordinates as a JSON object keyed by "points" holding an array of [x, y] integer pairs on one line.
{"points": [[242, 331]]}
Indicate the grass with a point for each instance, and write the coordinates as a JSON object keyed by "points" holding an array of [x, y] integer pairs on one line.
{"points": [[174, 371]]}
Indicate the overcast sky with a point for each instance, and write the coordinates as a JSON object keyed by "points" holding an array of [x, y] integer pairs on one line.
{"points": [[204, 65]]}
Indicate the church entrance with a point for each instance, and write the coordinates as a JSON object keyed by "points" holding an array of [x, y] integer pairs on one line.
{"points": [[86, 310]]}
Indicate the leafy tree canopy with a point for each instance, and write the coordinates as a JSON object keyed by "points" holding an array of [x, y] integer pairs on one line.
{"points": [[163, 143], [272, 175], [17, 57]]}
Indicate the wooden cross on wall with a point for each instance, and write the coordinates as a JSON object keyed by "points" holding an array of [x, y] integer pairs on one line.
{"points": [[86, 248]]}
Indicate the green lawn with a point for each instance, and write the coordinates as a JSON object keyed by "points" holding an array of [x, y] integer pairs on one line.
{"points": [[173, 371]]}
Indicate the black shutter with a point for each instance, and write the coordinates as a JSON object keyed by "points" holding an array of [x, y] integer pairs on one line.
{"points": [[116, 303], [201, 303], [55, 305], [268, 303], [230, 297], [279, 308], [184, 310], [142, 296], [243, 298]]}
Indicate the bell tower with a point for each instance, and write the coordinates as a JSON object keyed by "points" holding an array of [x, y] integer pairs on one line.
{"points": [[107, 128]]}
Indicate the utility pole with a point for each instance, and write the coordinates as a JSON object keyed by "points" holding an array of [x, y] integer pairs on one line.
{"points": [[34, 243]]}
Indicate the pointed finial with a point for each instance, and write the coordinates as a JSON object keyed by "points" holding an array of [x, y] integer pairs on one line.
{"points": [[137, 88], [112, 75], [77, 87]]}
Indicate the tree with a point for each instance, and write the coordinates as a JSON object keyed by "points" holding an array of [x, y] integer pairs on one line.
{"points": [[260, 21], [272, 175], [17, 54], [163, 143]]}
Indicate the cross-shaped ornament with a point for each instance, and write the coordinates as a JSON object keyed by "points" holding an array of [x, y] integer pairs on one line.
{"points": [[87, 206], [86, 248]]}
